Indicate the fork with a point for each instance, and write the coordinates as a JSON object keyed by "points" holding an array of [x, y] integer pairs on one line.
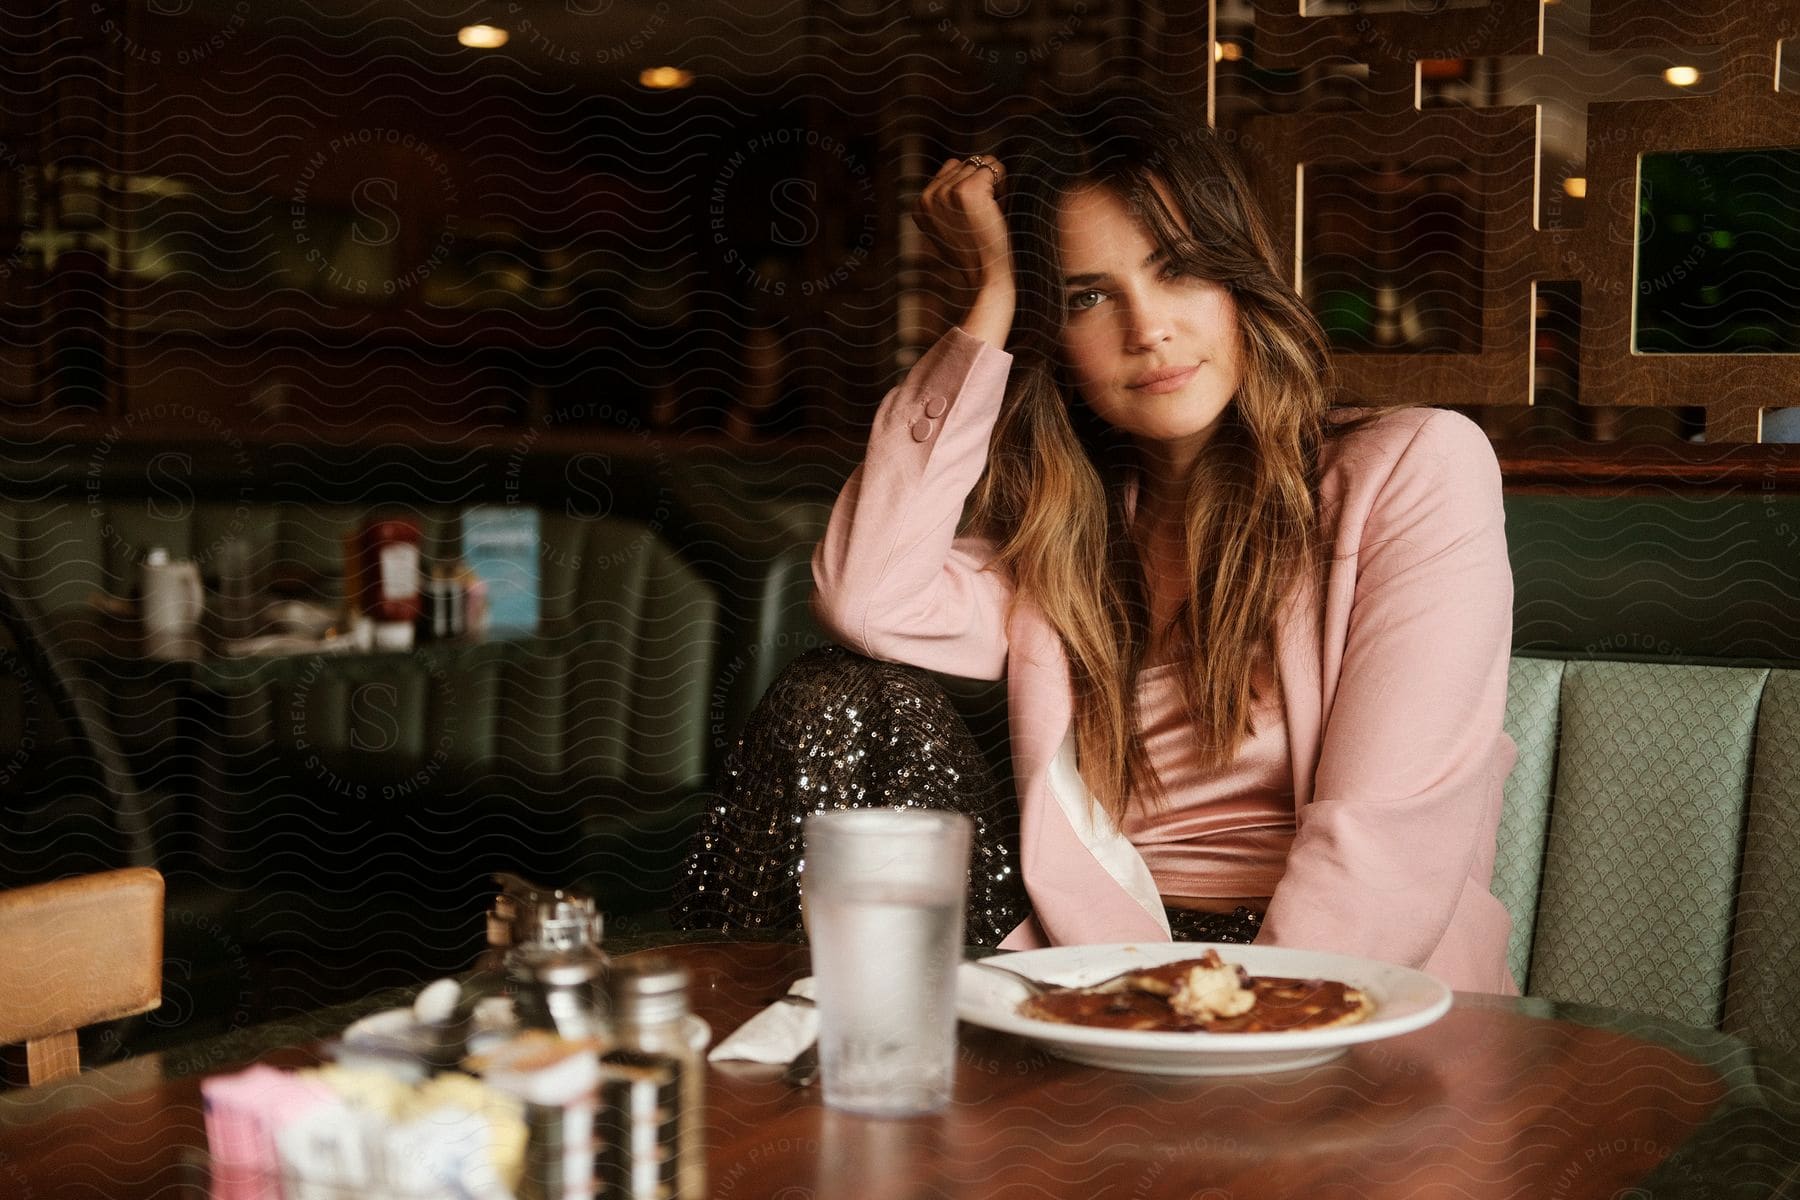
{"points": [[1036, 987]]}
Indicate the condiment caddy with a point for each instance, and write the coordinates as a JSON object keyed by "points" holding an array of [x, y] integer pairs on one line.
{"points": [[548, 1073]]}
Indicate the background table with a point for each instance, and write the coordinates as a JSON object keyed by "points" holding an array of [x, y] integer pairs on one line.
{"points": [[1501, 1098]]}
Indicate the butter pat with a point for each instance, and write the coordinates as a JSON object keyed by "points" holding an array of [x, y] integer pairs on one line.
{"points": [[1212, 991]]}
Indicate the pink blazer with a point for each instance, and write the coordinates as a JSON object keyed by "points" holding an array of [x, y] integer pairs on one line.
{"points": [[1393, 678]]}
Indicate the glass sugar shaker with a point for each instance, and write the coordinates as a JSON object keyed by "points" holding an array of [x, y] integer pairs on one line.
{"points": [[561, 991], [652, 1088], [556, 967], [528, 927]]}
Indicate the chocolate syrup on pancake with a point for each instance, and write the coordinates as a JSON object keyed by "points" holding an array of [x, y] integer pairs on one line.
{"points": [[1281, 1004]]}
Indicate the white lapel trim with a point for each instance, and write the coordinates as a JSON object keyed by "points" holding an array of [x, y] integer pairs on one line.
{"points": [[1110, 848]]}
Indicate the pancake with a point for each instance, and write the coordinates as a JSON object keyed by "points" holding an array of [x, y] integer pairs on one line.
{"points": [[1141, 1000]]}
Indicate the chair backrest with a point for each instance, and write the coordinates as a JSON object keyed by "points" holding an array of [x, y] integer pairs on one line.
{"points": [[77, 951]]}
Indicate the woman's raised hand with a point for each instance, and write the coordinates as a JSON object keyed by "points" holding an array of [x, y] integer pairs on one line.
{"points": [[959, 211]]}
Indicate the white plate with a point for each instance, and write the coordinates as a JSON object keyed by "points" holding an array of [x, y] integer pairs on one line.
{"points": [[1404, 1000]]}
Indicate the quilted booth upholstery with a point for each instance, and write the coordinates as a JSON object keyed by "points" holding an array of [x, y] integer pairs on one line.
{"points": [[1765, 947], [1624, 838], [1650, 844]]}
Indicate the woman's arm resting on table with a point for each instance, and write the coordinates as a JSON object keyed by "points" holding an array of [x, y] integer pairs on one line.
{"points": [[1405, 792]]}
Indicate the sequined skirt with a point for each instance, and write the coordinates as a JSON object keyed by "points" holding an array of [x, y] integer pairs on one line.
{"points": [[1240, 925], [836, 731]]}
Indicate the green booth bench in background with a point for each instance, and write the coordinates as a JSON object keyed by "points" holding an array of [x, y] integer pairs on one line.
{"points": [[325, 823]]}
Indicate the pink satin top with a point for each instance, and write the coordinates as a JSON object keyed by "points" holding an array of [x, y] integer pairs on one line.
{"points": [[1222, 832]]}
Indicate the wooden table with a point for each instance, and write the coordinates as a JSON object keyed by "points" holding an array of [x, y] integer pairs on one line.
{"points": [[1514, 1098]]}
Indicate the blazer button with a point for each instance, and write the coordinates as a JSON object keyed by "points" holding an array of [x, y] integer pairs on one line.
{"points": [[935, 406], [921, 430]]}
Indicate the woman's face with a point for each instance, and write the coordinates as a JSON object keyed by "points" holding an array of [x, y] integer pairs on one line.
{"points": [[1155, 352]]}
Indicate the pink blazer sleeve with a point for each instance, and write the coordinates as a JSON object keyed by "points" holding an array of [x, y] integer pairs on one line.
{"points": [[891, 579], [1406, 794]]}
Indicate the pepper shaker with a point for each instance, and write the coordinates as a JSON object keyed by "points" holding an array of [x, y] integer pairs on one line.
{"points": [[652, 1088]]}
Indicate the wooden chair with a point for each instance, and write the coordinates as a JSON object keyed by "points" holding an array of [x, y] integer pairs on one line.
{"points": [[75, 952]]}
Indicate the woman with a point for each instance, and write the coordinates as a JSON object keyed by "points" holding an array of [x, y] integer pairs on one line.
{"points": [[1255, 652]]}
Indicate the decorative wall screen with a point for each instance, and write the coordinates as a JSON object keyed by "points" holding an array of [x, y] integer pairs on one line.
{"points": [[1749, 102]]}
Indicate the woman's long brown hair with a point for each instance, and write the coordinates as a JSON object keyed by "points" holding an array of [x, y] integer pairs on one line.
{"points": [[1053, 497]]}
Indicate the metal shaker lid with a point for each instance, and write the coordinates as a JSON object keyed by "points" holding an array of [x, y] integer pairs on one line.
{"points": [[527, 915], [560, 921], [648, 989]]}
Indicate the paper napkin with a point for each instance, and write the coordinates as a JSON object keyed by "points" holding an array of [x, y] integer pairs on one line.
{"points": [[775, 1035]]}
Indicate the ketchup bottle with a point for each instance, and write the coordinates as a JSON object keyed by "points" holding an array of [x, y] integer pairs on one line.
{"points": [[390, 571]]}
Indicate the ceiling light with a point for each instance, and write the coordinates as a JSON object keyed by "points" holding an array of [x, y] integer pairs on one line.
{"points": [[1681, 76], [665, 77], [1227, 52], [1575, 187], [481, 37]]}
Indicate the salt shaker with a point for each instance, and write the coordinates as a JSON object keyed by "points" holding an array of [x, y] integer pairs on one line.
{"points": [[652, 1088]]}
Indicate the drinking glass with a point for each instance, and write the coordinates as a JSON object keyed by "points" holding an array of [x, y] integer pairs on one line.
{"points": [[884, 891]]}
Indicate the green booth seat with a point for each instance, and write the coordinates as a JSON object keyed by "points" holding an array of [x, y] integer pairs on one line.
{"points": [[577, 754], [1647, 839]]}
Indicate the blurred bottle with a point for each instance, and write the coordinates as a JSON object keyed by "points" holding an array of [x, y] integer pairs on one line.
{"points": [[351, 549], [172, 605], [240, 590], [390, 580], [444, 613]]}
